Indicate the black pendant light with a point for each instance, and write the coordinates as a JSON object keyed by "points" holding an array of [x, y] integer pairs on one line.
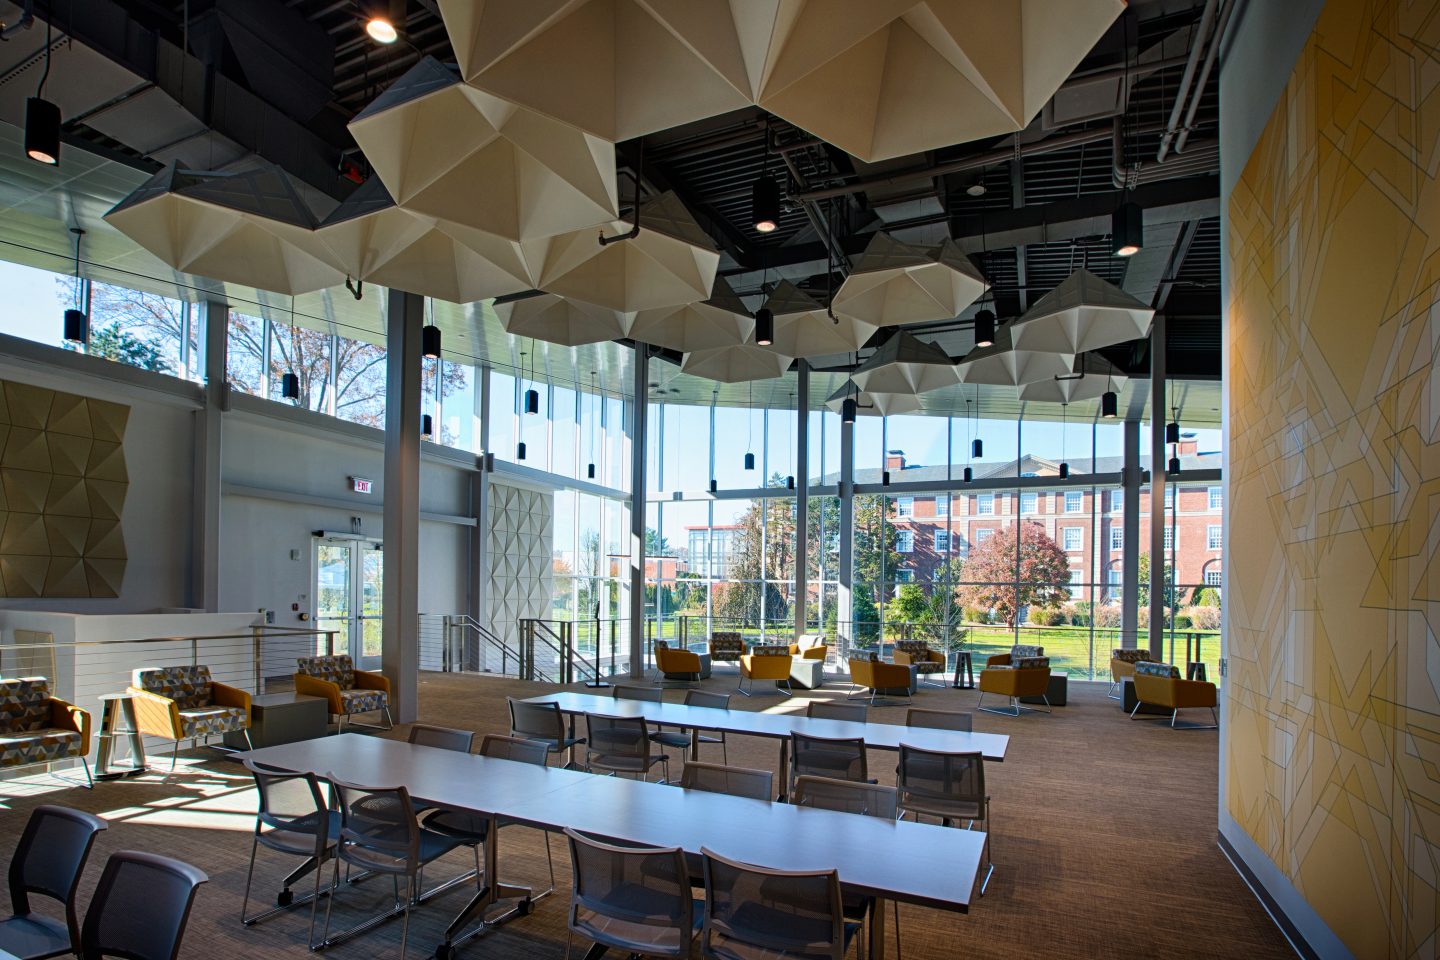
{"points": [[77, 322], [714, 485], [427, 427], [520, 450], [885, 478], [1064, 461], [430, 341], [532, 400], [789, 483], [985, 328], [764, 327], [1127, 230], [847, 410], [1172, 432], [1174, 465], [750, 428], [42, 119], [590, 467], [765, 194], [977, 448], [290, 382], [969, 474], [1064, 470], [590, 472], [749, 461], [1109, 405]]}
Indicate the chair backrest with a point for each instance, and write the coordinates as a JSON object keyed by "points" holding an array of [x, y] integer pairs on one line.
{"points": [[622, 692], [770, 650], [917, 648], [536, 720], [338, 669], [726, 646], [446, 738], [734, 781], [939, 719], [787, 913], [617, 736], [1151, 668], [828, 710], [50, 857], [293, 803], [842, 758], [705, 698], [24, 704], [941, 784], [1021, 651], [378, 828], [189, 685], [1131, 655], [846, 796], [513, 748], [140, 907], [644, 893]]}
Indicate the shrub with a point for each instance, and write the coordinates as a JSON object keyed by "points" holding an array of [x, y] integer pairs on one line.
{"points": [[1182, 621], [1078, 613], [1204, 618], [1206, 597], [1107, 615], [976, 615]]}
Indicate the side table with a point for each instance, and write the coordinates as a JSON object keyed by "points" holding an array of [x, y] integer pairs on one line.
{"points": [[1057, 692], [277, 718], [965, 680], [117, 720], [1128, 700]]}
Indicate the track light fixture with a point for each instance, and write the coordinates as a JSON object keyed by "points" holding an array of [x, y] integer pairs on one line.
{"points": [[985, 328], [1127, 230], [764, 327], [430, 342]]}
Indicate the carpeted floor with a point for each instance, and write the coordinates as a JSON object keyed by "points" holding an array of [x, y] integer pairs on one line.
{"points": [[1104, 841]]}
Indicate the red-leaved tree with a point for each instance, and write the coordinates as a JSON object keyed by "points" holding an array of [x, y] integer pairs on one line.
{"points": [[1043, 577]]}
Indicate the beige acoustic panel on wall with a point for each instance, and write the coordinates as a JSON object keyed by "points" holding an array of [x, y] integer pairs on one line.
{"points": [[894, 282], [616, 68], [906, 364], [561, 320], [1083, 313], [720, 321], [670, 261], [235, 227], [62, 492], [804, 328], [736, 364], [886, 78], [447, 150]]}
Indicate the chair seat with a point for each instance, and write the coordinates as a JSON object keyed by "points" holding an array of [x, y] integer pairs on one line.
{"points": [[296, 842], [204, 721], [929, 666], [432, 846], [638, 938], [32, 937], [618, 763], [36, 746], [671, 738], [362, 701]]}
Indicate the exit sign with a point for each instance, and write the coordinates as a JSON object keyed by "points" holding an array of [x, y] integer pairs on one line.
{"points": [[360, 484]]}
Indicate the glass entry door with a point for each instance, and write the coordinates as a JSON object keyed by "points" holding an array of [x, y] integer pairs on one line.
{"points": [[349, 578]]}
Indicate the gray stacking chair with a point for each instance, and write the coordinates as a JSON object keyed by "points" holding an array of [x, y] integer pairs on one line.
{"points": [[841, 758], [542, 722], [939, 719], [680, 739], [828, 710], [140, 908], [949, 786], [733, 781], [650, 694], [446, 738], [635, 900], [48, 861], [294, 819], [754, 912], [621, 745]]}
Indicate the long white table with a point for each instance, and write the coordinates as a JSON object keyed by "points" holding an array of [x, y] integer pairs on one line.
{"points": [[911, 862]]}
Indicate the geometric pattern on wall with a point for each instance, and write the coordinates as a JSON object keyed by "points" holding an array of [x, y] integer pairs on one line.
{"points": [[1332, 566], [520, 549], [62, 492]]}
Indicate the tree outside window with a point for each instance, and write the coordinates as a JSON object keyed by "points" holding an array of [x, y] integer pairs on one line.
{"points": [[1043, 580]]}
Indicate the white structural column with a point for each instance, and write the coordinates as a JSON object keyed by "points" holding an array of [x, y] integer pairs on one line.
{"points": [[400, 640], [637, 510], [204, 586], [845, 576], [1157, 488], [802, 500], [1130, 547]]}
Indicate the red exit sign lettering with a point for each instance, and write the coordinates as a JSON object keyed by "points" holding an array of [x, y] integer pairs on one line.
{"points": [[360, 484]]}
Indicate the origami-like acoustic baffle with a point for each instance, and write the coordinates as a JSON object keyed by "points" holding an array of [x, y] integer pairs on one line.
{"points": [[872, 404], [369, 238], [450, 151], [720, 321], [906, 364], [1083, 313], [561, 320], [617, 68], [1003, 365], [736, 364], [230, 227], [671, 261], [803, 328], [1091, 377], [886, 78], [895, 282]]}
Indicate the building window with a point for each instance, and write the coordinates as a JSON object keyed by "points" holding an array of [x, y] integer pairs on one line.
{"points": [[1117, 537], [1114, 577], [1216, 498], [942, 505], [904, 576], [1169, 496], [904, 506], [1212, 578], [1077, 580], [982, 535], [1029, 503], [905, 541], [1117, 501], [1074, 501], [1212, 537], [942, 541], [1074, 538], [1169, 538], [985, 504]]}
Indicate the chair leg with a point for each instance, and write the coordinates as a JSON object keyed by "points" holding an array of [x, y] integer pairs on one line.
{"points": [[405, 923], [250, 744], [325, 933], [249, 875], [314, 904], [896, 905], [90, 781], [389, 720]]}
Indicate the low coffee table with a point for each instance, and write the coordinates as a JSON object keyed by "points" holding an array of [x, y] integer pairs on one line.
{"points": [[277, 718], [1057, 693], [807, 674]]}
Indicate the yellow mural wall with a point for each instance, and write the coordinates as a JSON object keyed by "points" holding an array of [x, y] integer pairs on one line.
{"points": [[1333, 549]]}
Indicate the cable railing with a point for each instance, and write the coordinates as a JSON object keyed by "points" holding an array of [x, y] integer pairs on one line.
{"points": [[457, 642], [572, 651]]}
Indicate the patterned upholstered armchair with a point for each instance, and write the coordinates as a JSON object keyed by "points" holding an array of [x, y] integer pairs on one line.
{"points": [[185, 703], [38, 728], [726, 647], [1160, 685], [919, 654], [349, 691], [1122, 666], [1023, 672]]}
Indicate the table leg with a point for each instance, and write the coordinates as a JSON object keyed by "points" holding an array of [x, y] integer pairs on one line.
{"points": [[875, 949], [694, 743], [784, 770], [491, 892]]}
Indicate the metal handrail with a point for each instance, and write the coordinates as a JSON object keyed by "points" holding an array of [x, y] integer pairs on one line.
{"points": [[463, 622]]}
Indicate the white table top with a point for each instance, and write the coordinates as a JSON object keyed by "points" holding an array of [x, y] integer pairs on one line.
{"points": [[912, 862], [881, 736]]}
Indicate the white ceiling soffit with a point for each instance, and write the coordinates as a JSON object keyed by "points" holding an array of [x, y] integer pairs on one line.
{"points": [[897, 283], [1083, 313]]}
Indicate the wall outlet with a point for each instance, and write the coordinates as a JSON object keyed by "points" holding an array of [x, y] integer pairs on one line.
{"points": [[294, 554]]}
